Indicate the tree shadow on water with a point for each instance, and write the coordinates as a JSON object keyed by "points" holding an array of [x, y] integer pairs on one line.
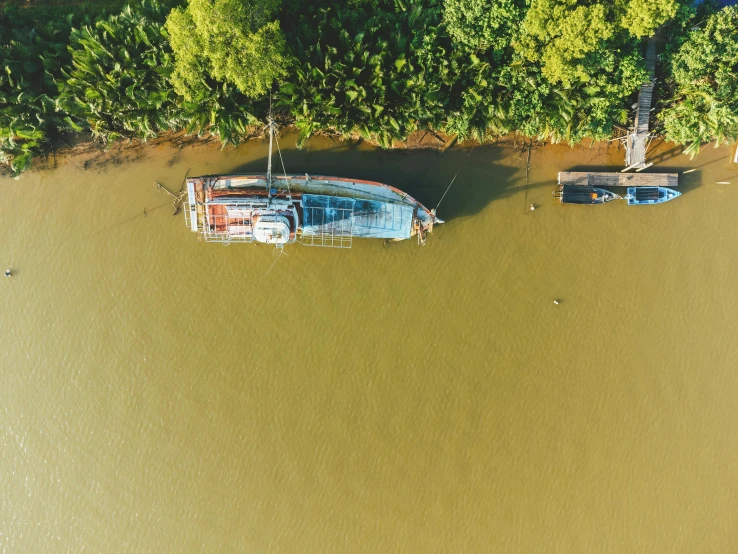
{"points": [[425, 174]]}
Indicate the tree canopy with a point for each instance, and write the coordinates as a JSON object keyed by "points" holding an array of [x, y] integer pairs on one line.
{"points": [[235, 41], [32, 58], [118, 82], [559, 70], [704, 106], [482, 24], [642, 17]]}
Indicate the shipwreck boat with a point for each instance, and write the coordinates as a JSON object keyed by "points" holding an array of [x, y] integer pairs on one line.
{"points": [[650, 195], [314, 210], [578, 194]]}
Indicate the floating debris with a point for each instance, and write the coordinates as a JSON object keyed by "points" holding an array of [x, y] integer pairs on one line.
{"points": [[179, 197]]}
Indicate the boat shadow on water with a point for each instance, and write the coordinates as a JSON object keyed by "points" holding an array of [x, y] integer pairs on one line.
{"points": [[481, 174]]}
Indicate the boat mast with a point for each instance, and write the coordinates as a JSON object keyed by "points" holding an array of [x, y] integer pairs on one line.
{"points": [[269, 163]]}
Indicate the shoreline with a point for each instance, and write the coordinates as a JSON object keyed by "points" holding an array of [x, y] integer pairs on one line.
{"points": [[124, 150], [88, 153]]}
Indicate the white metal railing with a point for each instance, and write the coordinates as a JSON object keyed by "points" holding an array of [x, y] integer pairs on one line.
{"points": [[225, 228], [334, 231], [186, 206]]}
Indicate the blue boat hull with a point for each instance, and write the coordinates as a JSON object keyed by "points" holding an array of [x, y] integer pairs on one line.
{"points": [[639, 196]]}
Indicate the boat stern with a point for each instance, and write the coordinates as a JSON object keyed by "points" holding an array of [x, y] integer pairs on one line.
{"points": [[190, 207]]}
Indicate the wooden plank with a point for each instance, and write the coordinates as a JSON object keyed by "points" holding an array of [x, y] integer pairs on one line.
{"points": [[606, 179], [635, 153]]}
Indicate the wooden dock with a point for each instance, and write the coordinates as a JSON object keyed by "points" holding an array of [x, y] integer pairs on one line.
{"points": [[600, 179], [638, 139]]}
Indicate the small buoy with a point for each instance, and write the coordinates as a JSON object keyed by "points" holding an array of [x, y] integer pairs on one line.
{"points": [[8, 273], [556, 302], [532, 207]]}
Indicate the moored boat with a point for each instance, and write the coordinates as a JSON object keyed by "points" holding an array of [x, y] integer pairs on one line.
{"points": [[313, 210], [650, 195], [578, 194]]}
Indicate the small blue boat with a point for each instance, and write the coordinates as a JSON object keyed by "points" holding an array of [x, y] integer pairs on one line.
{"points": [[650, 195]]}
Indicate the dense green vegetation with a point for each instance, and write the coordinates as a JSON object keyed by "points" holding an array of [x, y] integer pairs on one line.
{"points": [[118, 81], [32, 59], [704, 77], [560, 70]]}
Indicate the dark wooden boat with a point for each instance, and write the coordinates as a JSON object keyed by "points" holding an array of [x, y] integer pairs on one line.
{"points": [[576, 194]]}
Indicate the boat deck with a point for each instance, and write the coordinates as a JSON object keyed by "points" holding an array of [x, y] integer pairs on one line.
{"points": [[646, 193], [573, 194]]}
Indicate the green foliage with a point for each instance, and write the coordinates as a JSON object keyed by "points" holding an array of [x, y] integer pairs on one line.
{"points": [[378, 73], [222, 111], [568, 39], [32, 61], [235, 41], [704, 106], [118, 81], [207, 104], [559, 70], [573, 39], [568, 77], [35, 11], [479, 110], [482, 24], [642, 17], [189, 72]]}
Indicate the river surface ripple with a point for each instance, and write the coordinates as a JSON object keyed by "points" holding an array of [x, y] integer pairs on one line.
{"points": [[160, 394]]}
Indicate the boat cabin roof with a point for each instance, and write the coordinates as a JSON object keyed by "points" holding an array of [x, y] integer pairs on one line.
{"points": [[358, 217]]}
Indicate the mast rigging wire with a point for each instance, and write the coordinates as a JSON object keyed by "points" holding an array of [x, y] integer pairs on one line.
{"points": [[284, 170], [452, 180], [281, 251]]}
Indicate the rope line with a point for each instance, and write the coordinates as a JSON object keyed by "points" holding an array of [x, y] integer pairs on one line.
{"points": [[284, 170], [457, 174], [274, 263]]}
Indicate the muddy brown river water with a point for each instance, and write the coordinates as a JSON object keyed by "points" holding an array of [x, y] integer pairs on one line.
{"points": [[160, 394]]}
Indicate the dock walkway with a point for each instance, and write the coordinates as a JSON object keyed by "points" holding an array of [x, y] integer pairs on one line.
{"points": [[638, 139], [601, 179]]}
